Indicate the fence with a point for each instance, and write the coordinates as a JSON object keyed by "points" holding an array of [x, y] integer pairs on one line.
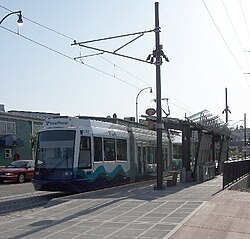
{"points": [[234, 170]]}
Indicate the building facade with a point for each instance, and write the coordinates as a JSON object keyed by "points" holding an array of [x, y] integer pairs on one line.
{"points": [[17, 132]]}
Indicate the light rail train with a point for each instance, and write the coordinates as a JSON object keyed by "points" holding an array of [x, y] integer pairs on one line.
{"points": [[77, 155]]}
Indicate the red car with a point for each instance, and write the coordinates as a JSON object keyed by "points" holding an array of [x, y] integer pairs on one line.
{"points": [[19, 171]]}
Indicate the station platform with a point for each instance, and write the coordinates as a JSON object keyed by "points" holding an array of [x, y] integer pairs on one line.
{"points": [[188, 210]]}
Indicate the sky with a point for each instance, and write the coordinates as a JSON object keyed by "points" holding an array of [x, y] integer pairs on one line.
{"points": [[206, 42]]}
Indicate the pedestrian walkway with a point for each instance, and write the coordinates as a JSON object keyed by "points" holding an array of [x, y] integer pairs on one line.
{"points": [[138, 211], [226, 216]]}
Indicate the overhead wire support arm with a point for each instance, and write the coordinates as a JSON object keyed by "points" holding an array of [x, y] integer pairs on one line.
{"points": [[128, 43], [114, 53], [83, 44], [95, 54], [113, 37]]}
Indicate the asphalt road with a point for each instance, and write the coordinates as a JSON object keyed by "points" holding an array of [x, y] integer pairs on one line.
{"points": [[19, 198], [8, 189]]}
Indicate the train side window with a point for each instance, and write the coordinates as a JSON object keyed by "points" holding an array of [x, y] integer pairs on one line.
{"points": [[84, 154], [109, 149], [121, 149], [151, 155], [98, 149]]}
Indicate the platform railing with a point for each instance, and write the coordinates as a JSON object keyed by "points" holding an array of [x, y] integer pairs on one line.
{"points": [[234, 171]]}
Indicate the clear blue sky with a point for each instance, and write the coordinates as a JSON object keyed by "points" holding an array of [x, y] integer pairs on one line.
{"points": [[203, 60]]}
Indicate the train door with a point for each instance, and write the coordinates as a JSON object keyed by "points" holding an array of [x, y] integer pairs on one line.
{"points": [[84, 161], [165, 158], [139, 157], [144, 157]]}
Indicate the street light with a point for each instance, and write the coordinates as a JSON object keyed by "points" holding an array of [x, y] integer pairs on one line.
{"points": [[19, 20], [136, 101]]}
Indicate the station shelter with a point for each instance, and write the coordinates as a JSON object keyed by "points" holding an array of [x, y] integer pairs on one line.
{"points": [[205, 140]]}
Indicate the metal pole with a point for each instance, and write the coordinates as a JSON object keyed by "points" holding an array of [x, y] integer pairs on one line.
{"points": [[226, 110], [136, 110], [245, 136], [159, 162], [136, 103], [226, 106]]}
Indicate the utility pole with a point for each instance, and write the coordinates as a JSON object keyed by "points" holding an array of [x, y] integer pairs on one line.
{"points": [[226, 110], [159, 125], [154, 58]]}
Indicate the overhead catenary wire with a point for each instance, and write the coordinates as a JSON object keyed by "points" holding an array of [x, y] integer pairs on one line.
{"points": [[84, 63], [225, 42], [244, 17], [66, 56], [229, 18], [73, 39], [41, 25], [122, 69], [78, 61], [235, 32]]}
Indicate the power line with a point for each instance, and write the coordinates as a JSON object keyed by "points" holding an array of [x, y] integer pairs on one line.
{"points": [[66, 56], [222, 36], [244, 18], [225, 42], [104, 58], [68, 37], [229, 18], [87, 65], [38, 43], [235, 32], [41, 25]]}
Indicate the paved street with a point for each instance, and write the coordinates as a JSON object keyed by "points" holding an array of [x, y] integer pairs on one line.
{"points": [[131, 211], [9, 189]]}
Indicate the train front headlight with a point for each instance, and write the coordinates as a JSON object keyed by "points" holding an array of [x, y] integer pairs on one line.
{"points": [[68, 173]]}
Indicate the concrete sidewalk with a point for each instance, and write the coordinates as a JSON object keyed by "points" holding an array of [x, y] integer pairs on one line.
{"points": [[138, 211], [226, 216]]}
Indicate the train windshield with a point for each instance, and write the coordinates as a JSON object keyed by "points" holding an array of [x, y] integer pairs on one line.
{"points": [[55, 149]]}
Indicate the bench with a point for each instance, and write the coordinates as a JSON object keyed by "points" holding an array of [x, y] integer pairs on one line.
{"points": [[172, 178]]}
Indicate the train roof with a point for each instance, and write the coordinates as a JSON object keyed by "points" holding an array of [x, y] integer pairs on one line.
{"points": [[98, 126], [73, 122]]}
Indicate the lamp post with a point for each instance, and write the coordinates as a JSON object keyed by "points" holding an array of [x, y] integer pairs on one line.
{"points": [[19, 20], [136, 101]]}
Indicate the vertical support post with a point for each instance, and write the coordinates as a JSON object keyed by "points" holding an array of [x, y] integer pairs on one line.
{"points": [[186, 152], [158, 63], [226, 112], [245, 136], [226, 109], [132, 154]]}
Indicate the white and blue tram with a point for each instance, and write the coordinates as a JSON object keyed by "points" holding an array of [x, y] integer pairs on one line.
{"points": [[78, 155]]}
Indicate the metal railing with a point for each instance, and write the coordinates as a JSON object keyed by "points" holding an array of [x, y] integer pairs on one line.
{"points": [[234, 170]]}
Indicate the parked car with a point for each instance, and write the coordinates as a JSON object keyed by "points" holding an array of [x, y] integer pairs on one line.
{"points": [[19, 171]]}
